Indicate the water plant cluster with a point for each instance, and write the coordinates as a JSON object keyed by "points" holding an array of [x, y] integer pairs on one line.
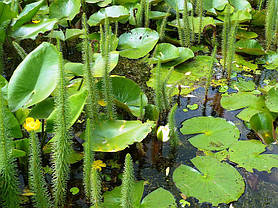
{"points": [[85, 84]]}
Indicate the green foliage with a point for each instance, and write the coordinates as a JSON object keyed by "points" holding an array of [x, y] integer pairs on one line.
{"points": [[61, 151], [270, 22], [225, 33], [127, 200], [36, 178], [9, 185], [163, 25], [95, 188], [172, 126], [19, 50], [200, 15]]}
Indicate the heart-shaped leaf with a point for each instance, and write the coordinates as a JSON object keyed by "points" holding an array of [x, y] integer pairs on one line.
{"points": [[250, 46], [215, 182], [272, 100], [213, 133], [116, 135], [165, 52], [248, 154], [137, 43], [35, 78], [64, 8]]}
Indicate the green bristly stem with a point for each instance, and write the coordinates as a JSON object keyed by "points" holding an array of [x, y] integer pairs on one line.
{"points": [[147, 13], [21, 52], [9, 191], [163, 25], [231, 49], [174, 138], [95, 188], [200, 14], [186, 28], [127, 200], [180, 32], [37, 181], [225, 34], [62, 144]]}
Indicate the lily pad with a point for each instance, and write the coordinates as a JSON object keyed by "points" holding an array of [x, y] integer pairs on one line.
{"points": [[64, 8], [116, 135], [250, 46], [165, 52], [32, 30], [253, 104], [244, 85], [99, 65], [241, 5], [180, 4], [159, 198], [248, 154], [272, 100], [114, 13], [213, 133], [215, 182], [128, 95], [184, 55], [25, 90], [137, 43], [213, 5]]}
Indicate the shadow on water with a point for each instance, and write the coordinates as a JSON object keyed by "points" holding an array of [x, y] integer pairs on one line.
{"points": [[261, 187]]}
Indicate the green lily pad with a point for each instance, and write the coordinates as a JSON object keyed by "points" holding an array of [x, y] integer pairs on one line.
{"points": [[27, 14], [64, 8], [137, 43], [11, 124], [165, 52], [193, 107], [128, 95], [114, 13], [159, 198], [213, 133], [215, 182], [243, 34], [76, 105], [6, 12], [248, 154], [253, 104], [250, 46], [32, 30], [243, 85], [73, 33], [213, 5], [116, 135], [241, 5], [25, 90], [180, 4], [262, 124], [272, 100], [184, 55], [43, 109], [99, 65], [156, 15]]}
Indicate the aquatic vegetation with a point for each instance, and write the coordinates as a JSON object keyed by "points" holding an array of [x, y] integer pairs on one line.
{"points": [[157, 96]]}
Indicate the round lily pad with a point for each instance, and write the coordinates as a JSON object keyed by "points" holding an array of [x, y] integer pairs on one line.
{"points": [[165, 52], [215, 182], [272, 100], [113, 13], [247, 154], [250, 46], [137, 43], [213, 133]]}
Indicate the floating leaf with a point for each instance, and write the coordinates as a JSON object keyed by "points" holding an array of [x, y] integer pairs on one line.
{"points": [[116, 135], [272, 100], [180, 4], [213, 133], [262, 124], [215, 182], [250, 46], [137, 43], [213, 5], [64, 8], [253, 104], [43, 109], [99, 64], [74, 190], [32, 30], [193, 107], [243, 85], [25, 90], [247, 154], [165, 52], [159, 198], [241, 5], [114, 13]]}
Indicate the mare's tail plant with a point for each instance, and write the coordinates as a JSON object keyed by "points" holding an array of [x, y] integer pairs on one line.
{"points": [[95, 188], [186, 29], [200, 15], [21, 52], [9, 185], [36, 177], [163, 25], [62, 149], [128, 181], [225, 33], [174, 138], [107, 85], [260, 4], [91, 108], [270, 22]]}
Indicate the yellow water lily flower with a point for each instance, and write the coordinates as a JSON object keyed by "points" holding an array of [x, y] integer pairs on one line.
{"points": [[102, 103], [36, 21], [98, 164], [31, 124]]}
